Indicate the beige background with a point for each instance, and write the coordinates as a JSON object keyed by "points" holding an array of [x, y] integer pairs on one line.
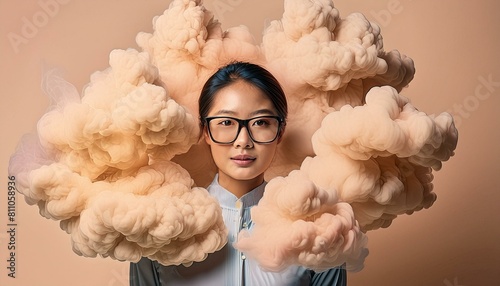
{"points": [[454, 44]]}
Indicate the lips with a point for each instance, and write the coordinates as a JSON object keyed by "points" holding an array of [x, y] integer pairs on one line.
{"points": [[243, 160]]}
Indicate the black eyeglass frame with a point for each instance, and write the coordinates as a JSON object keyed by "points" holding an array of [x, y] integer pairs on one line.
{"points": [[244, 123]]}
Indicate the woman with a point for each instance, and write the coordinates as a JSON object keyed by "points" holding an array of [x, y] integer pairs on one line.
{"points": [[242, 115]]}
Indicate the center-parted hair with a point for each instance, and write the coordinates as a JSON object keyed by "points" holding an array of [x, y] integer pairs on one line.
{"points": [[242, 71]]}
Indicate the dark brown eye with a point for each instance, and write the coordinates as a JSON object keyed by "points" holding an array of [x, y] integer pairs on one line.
{"points": [[226, 122], [261, 123]]}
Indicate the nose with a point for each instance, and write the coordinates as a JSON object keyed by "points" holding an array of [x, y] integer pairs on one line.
{"points": [[243, 139]]}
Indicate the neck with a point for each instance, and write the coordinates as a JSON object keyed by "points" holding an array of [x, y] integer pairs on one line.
{"points": [[239, 187]]}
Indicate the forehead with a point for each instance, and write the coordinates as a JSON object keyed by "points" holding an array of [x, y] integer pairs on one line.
{"points": [[241, 99]]}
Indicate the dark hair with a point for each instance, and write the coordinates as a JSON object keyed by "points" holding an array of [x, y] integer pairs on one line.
{"points": [[250, 73]]}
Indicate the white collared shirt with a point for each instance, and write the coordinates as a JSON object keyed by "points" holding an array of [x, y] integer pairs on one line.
{"points": [[228, 266]]}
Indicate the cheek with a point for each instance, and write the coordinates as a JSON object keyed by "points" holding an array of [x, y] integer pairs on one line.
{"points": [[268, 152], [218, 152]]}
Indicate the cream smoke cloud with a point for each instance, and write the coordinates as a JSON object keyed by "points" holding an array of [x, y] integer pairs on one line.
{"points": [[101, 166], [188, 45], [297, 223], [324, 62], [120, 165], [381, 155]]}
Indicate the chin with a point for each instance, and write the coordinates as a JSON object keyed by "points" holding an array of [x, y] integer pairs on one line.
{"points": [[246, 176]]}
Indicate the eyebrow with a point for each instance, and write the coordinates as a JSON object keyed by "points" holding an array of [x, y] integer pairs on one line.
{"points": [[264, 111]]}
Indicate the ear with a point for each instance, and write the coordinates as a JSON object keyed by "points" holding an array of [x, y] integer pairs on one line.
{"points": [[282, 131], [206, 135]]}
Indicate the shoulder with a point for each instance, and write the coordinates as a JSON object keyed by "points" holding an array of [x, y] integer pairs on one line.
{"points": [[335, 276]]}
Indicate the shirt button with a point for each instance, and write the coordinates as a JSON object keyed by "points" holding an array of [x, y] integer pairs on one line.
{"points": [[243, 257], [245, 225]]}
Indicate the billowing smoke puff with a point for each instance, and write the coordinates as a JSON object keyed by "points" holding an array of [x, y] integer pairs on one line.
{"points": [[101, 166], [325, 62], [381, 156], [297, 223], [120, 165]]}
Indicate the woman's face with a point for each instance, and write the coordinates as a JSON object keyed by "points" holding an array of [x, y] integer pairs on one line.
{"points": [[242, 160]]}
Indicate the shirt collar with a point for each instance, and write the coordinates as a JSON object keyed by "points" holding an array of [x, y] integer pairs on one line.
{"points": [[228, 199]]}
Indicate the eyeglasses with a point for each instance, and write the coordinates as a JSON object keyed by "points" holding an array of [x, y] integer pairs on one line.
{"points": [[262, 129]]}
